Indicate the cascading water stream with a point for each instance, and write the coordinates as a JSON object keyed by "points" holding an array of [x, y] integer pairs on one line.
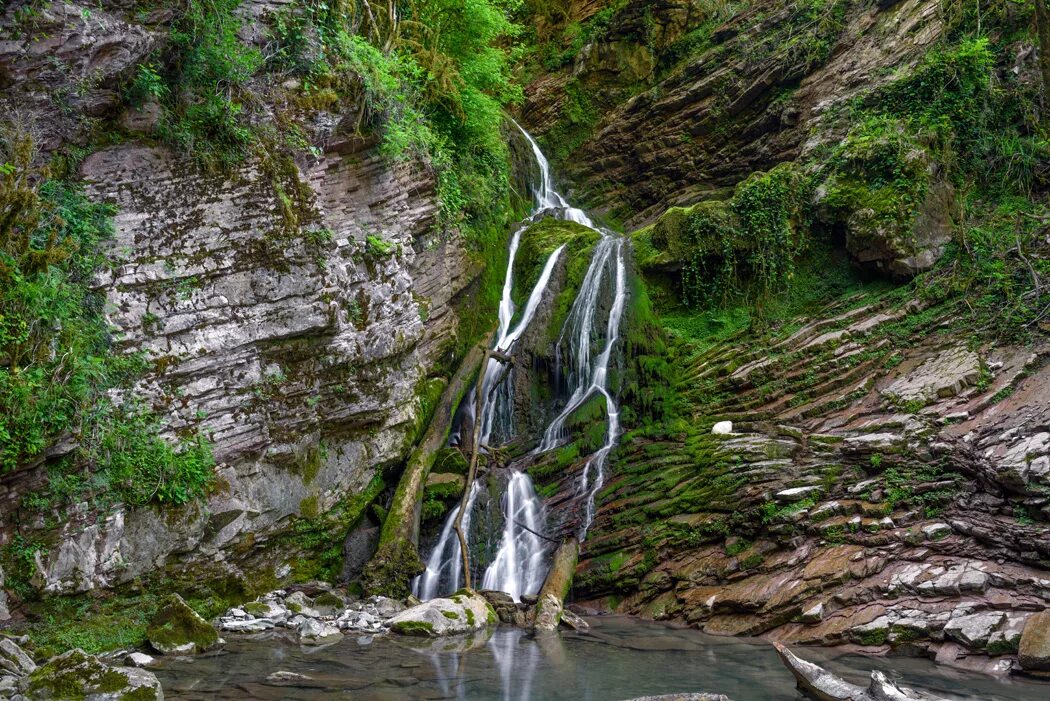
{"points": [[519, 564]]}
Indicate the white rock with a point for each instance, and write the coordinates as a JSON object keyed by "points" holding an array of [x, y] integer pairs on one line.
{"points": [[138, 659], [237, 625], [314, 632], [936, 531], [460, 613], [722, 428]]}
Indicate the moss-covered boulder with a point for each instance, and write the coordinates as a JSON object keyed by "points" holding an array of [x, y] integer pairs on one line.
{"points": [[178, 629], [77, 676], [464, 612]]}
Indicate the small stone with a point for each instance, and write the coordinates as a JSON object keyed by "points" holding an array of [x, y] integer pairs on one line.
{"points": [[796, 493], [722, 428], [284, 676], [814, 614], [255, 625], [936, 531], [314, 632], [14, 659], [138, 659]]}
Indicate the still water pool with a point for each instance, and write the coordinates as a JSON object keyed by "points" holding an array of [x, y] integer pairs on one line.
{"points": [[620, 658]]}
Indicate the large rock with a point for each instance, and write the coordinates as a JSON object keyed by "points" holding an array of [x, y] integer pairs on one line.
{"points": [[178, 629], [14, 660], [1034, 650], [463, 612], [76, 675]]}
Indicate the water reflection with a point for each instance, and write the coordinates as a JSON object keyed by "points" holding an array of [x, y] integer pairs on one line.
{"points": [[619, 659]]}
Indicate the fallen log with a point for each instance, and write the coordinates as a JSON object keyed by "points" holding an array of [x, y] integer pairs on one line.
{"points": [[551, 603], [817, 683], [396, 559]]}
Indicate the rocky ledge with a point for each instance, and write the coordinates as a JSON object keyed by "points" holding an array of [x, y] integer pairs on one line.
{"points": [[73, 674]]}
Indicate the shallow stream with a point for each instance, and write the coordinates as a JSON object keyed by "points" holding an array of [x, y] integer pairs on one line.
{"points": [[620, 658]]}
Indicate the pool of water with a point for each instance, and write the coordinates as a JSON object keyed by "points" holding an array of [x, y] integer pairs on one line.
{"points": [[620, 658]]}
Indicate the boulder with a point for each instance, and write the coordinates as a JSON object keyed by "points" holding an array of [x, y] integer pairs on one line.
{"points": [[463, 612], [974, 630], [76, 674], [13, 660], [177, 629], [314, 632], [1033, 652], [139, 659]]}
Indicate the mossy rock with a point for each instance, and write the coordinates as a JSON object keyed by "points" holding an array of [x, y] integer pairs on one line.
{"points": [[177, 629], [391, 570], [77, 676]]}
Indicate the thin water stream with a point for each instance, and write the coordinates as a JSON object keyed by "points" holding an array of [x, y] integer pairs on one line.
{"points": [[621, 658]]}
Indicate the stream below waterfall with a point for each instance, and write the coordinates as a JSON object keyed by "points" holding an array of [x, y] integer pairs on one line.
{"points": [[584, 350], [620, 658]]}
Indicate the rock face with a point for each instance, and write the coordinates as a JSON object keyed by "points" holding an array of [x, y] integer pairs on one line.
{"points": [[301, 356], [81, 676], [178, 629], [893, 496], [1033, 653], [65, 61], [463, 612]]}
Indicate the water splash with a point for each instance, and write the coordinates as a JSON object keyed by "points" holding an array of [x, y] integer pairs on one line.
{"points": [[518, 567], [445, 565]]}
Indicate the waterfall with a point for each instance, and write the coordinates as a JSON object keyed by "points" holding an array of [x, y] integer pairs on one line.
{"points": [[445, 564], [519, 565]]}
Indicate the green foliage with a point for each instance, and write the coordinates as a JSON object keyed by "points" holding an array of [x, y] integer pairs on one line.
{"points": [[208, 68], [746, 246], [57, 360]]}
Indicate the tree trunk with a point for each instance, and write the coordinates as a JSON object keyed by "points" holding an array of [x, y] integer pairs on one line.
{"points": [[1042, 26], [396, 559], [556, 587]]}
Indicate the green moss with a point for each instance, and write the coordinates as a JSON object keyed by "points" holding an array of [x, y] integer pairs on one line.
{"points": [[391, 569], [874, 638], [256, 608], [470, 617], [329, 599], [308, 507], [419, 628], [176, 624], [452, 615], [74, 676]]}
